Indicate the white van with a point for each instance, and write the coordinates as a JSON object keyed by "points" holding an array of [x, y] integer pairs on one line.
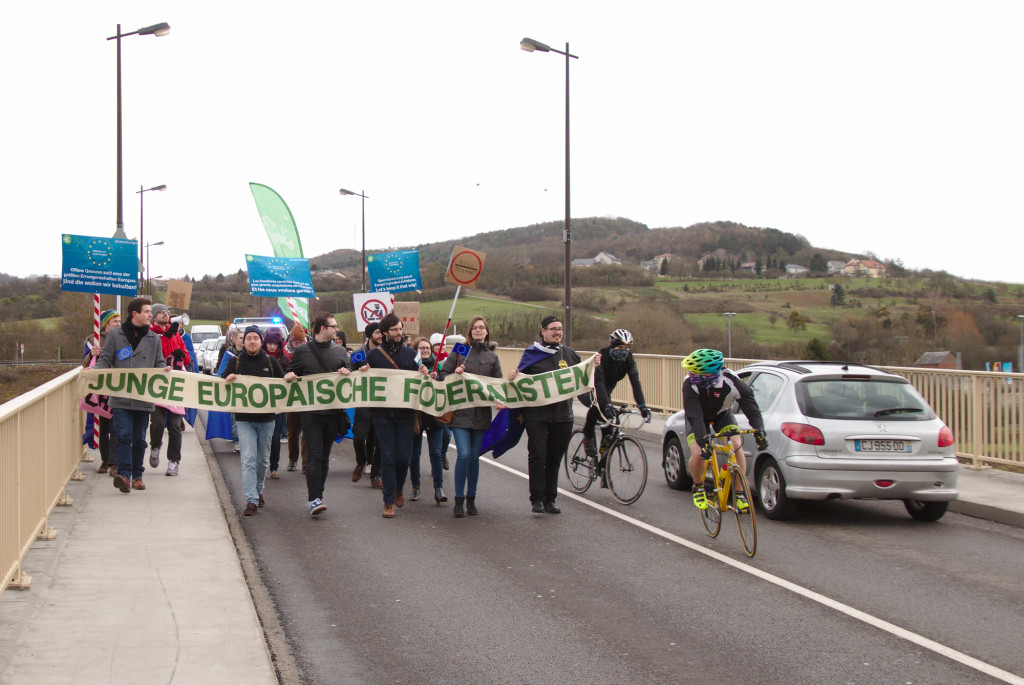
{"points": [[201, 332]]}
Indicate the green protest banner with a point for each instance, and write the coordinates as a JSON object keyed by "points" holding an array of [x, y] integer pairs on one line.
{"points": [[374, 388]]}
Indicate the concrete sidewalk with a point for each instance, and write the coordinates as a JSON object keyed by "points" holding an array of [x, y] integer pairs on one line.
{"points": [[139, 588], [988, 493]]}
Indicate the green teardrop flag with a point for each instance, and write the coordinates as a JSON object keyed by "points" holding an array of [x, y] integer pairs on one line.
{"points": [[284, 239]]}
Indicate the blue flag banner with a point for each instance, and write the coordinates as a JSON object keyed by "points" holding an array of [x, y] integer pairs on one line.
{"points": [[504, 434], [394, 271], [279, 276], [99, 265]]}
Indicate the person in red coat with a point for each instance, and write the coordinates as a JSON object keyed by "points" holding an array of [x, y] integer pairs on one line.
{"points": [[164, 416]]}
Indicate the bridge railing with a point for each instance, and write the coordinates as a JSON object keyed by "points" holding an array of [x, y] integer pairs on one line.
{"points": [[40, 449], [985, 410]]}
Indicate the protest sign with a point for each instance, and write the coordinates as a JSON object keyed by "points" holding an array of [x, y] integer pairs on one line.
{"points": [[179, 293], [99, 265], [371, 308], [409, 313], [394, 272], [279, 276], [465, 267], [376, 388]]}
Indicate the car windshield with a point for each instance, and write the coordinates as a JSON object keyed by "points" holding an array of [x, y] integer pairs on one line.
{"points": [[861, 398]]}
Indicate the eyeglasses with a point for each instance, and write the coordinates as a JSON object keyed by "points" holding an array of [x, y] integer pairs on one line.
{"points": [[333, 325], [394, 329], [554, 330], [478, 328]]}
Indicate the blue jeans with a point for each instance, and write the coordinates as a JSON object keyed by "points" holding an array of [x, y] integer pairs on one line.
{"points": [[130, 429], [394, 435], [467, 465], [254, 447], [434, 436]]}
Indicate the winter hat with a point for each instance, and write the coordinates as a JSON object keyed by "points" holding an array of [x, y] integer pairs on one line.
{"points": [[298, 335], [106, 316], [548, 320], [273, 336], [369, 330], [157, 308], [253, 329], [436, 339]]}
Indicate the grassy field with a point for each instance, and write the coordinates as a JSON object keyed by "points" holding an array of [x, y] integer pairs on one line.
{"points": [[16, 380]]}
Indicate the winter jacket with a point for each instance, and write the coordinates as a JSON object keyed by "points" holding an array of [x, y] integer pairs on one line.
{"points": [[538, 358], [405, 359], [260, 365], [118, 353], [483, 361], [610, 372], [304, 362]]}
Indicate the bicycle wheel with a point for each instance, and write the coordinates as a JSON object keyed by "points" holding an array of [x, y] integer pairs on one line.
{"points": [[626, 470], [579, 468], [711, 517], [745, 520]]}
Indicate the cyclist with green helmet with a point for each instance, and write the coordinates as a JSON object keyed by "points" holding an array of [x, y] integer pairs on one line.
{"points": [[708, 392]]}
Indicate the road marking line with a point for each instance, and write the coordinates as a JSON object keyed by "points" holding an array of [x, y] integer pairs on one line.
{"points": [[874, 621]]}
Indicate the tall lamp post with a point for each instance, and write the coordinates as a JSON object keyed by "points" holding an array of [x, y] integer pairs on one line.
{"points": [[161, 29], [530, 45], [140, 193], [728, 322], [149, 277], [342, 191]]}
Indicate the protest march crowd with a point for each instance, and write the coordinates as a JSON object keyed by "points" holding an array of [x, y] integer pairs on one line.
{"points": [[313, 389]]}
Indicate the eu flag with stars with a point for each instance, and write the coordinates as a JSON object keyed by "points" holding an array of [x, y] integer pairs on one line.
{"points": [[504, 434]]}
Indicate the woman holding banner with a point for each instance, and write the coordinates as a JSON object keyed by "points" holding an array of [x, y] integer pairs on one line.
{"points": [[469, 425]]}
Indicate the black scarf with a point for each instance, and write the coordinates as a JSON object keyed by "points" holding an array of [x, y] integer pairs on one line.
{"points": [[134, 333]]}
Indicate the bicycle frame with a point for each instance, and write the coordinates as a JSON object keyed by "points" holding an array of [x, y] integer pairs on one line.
{"points": [[722, 477]]}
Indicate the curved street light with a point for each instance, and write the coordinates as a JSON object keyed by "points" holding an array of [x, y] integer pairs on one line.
{"points": [[531, 45], [342, 191], [140, 192]]}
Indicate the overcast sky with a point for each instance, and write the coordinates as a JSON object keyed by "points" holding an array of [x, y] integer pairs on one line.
{"points": [[892, 127]]}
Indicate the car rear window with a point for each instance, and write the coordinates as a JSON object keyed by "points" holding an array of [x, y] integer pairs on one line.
{"points": [[862, 398]]}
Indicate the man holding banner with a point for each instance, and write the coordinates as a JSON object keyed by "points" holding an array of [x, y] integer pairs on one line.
{"points": [[394, 426]]}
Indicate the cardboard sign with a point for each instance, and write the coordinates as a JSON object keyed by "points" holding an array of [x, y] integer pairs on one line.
{"points": [[179, 294], [465, 267], [409, 313], [371, 308]]}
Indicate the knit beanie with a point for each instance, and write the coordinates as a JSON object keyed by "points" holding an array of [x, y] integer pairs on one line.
{"points": [[297, 335], [253, 329], [106, 316], [157, 308]]}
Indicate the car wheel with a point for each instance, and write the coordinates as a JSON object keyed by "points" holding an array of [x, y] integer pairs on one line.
{"points": [[925, 511], [674, 465], [771, 492]]}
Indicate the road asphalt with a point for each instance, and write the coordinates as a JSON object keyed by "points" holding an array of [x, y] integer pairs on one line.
{"points": [[151, 587]]}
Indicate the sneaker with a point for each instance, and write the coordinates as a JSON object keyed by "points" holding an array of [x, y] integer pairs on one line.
{"points": [[700, 499], [741, 502], [137, 484], [377, 483], [262, 502], [590, 447], [154, 457], [317, 507], [273, 475], [291, 466], [389, 511], [172, 468], [122, 484], [250, 509], [368, 470], [234, 446]]}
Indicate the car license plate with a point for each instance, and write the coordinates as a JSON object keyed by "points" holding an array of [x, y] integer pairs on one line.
{"points": [[881, 446]]}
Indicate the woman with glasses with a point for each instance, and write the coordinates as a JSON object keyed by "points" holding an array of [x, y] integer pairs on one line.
{"points": [[469, 425]]}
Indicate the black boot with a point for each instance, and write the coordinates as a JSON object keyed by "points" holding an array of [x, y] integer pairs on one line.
{"points": [[439, 496], [471, 506], [459, 513]]}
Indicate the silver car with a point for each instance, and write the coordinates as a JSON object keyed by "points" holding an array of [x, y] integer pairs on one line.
{"points": [[837, 431]]}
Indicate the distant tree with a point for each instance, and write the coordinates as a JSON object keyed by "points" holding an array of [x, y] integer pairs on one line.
{"points": [[815, 350], [663, 269], [758, 266], [838, 295], [796, 322], [219, 278], [818, 263], [772, 318], [990, 296]]}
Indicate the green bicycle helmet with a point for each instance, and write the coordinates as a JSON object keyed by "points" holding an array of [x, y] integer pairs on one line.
{"points": [[703, 361]]}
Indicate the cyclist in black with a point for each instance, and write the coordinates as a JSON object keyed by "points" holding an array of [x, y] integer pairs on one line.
{"points": [[708, 391], [616, 363]]}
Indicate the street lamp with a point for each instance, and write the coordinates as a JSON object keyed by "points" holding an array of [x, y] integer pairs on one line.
{"points": [[530, 45], [342, 191], [149, 278], [728, 322], [140, 192], [161, 29]]}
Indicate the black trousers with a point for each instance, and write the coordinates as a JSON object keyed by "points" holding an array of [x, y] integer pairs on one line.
{"points": [[546, 446], [160, 419], [364, 441], [320, 431]]}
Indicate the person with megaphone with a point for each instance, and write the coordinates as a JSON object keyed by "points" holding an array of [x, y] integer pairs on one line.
{"points": [[168, 416]]}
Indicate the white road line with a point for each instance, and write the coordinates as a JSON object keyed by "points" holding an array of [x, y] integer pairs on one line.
{"points": [[874, 621]]}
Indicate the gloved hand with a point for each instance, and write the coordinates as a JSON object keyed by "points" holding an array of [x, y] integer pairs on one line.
{"points": [[609, 411], [179, 356], [646, 413], [172, 331], [762, 440], [706, 451]]}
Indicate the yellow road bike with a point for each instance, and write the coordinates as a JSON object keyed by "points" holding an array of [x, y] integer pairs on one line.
{"points": [[724, 487]]}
